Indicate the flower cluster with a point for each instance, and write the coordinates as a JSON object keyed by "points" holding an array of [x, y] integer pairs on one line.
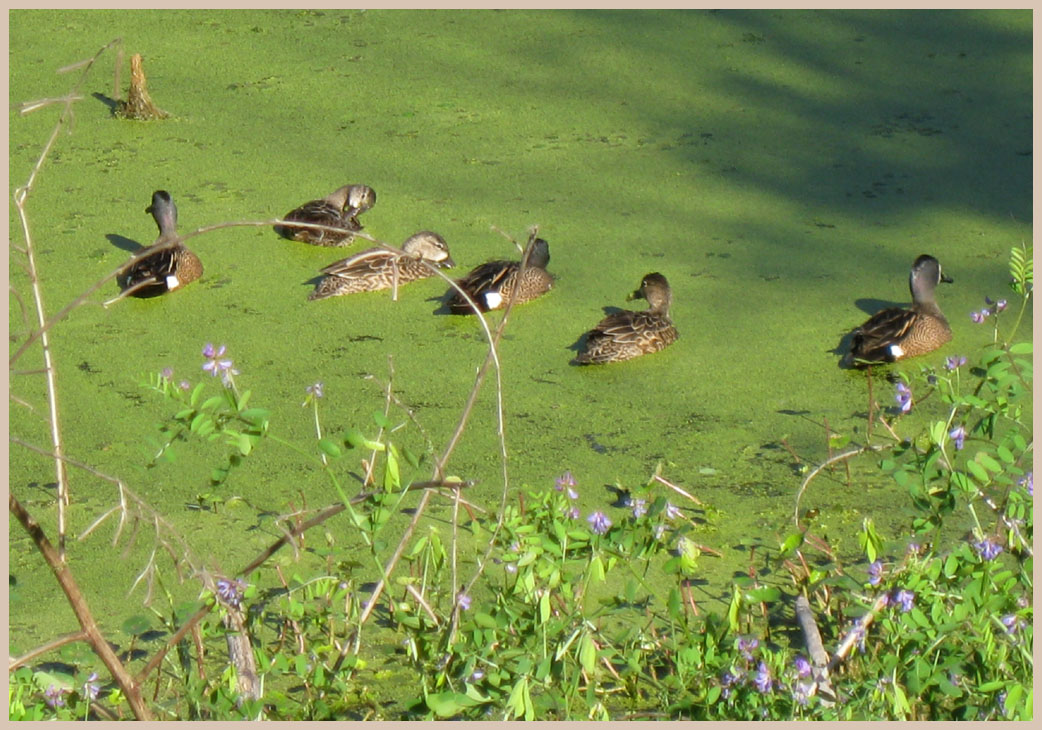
{"points": [[984, 313]]}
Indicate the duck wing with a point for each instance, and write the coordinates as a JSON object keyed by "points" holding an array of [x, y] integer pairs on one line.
{"points": [[489, 277], [365, 263], [872, 341]]}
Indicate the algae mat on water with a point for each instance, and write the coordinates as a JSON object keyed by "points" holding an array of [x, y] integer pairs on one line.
{"points": [[782, 169]]}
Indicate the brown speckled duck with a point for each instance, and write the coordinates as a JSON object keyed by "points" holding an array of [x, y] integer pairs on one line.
{"points": [[625, 335], [378, 268], [897, 333], [492, 284], [339, 209], [168, 267]]}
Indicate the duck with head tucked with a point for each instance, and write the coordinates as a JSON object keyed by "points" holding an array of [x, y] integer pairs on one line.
{"points": [[378, 268], [898, 332], [492, 284], [627, 334], [340, 209], [166, 264]]}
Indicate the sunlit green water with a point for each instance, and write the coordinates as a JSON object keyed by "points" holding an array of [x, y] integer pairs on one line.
{"points": [[779, 168]]}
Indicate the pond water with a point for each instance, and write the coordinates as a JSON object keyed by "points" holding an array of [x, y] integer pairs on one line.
{"points": [[782, 169]]}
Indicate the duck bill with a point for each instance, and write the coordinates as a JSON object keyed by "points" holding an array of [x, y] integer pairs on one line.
{"points": [[947, 279], [447, 263]]}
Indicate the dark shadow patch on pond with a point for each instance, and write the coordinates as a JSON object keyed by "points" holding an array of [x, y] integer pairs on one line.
{"points": [[122, 242]]}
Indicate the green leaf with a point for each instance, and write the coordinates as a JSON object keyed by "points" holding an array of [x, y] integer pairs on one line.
{"points": [[763, 595], [243, 400], [485, 621], [1021, 348], [587, 653], [448, 704], [257, 417], [353, 438], [329, 448], [136, 625], [544, 607], [381, 420], [988, 463], [245, 444]]}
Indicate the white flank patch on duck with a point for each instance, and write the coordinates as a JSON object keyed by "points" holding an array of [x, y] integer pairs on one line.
{"points": [[896, 351], [172, 282], [493, 299]]}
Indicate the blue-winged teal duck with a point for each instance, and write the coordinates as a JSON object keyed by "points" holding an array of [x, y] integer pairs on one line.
{"points": [[169, 267], [378, 268], [339, 209], [897, 333], [625, 335], [492, 284]]}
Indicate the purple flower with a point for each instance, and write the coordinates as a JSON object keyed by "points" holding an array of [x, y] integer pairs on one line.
{"points": [[906, 599], [1028, 482], [572, 512], [91, 688], [1000, 305], [746, 645], [464, 602], [639, 507], [672, 511], [762, 680], [184, 385], [53, 696], [979, 317], [958, 435], [216, 364], [230, 591], [875, 573], [955, 362], [1011, 622], [802, 666], [599, 522], [572, 494], [904, 397], [659, 531], [565, 480], [914, 548], [801, 693], [477, 675], [315, 390], [987, 548], [168, 373]]}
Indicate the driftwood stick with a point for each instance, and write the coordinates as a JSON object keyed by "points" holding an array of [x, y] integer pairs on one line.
{"points": [[819, 658]]}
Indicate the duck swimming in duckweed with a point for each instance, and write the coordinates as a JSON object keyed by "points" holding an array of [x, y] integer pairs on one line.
{"points": [[339, 209], [627, 334], [378, 268], [166, 268], [897, 333], [494, 283]]}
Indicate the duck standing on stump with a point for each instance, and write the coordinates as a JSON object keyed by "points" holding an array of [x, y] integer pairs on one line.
{"points": [[378, 268], [897, 333], [339, 209], [492, 284], [170, 266], [625, 335]]}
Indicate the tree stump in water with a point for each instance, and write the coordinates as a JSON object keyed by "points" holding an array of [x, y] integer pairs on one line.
{"points": [[138, 104]]}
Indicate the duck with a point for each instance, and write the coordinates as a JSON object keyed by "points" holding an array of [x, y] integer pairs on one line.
{"points": [[627, 334], [378, 268], [164, 266], [492, 284], [339, 209], [897, 333]]}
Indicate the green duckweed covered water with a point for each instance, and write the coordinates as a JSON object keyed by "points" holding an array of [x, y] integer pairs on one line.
{"points": [[781, 169]]}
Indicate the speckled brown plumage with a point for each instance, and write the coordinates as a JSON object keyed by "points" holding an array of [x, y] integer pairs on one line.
{"points": [[898, 333], [339, 209], [163, 267], [492, 284], [378, 268], [627, 334]]}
